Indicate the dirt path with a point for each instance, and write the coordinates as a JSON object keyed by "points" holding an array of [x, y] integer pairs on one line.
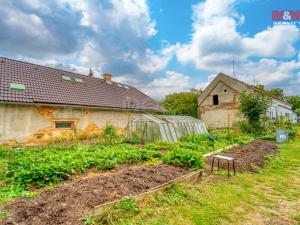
{"points": [[248, 156], [68, 203]]}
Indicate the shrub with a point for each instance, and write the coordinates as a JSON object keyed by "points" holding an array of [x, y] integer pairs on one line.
{"points": [[110, 132], [292, 133], [184, 157]]}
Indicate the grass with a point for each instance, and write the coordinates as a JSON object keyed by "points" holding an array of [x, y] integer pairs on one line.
{"points": [[270, 196]]}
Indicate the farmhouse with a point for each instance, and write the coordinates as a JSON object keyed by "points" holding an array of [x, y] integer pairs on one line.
{"points": [[218, 103], [41, 104]]}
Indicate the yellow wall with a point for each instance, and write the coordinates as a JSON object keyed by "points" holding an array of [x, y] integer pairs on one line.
{"points": [[35, 124]]}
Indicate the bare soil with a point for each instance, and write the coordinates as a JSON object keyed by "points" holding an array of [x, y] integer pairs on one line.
{"points": [[69, 202], [248, 156]]}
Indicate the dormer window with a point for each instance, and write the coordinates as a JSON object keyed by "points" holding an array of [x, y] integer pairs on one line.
{"points": [[215, 99]]}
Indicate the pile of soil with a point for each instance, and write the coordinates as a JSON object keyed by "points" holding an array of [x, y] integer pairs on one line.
{"points": [[249, 155], [69, 202]]}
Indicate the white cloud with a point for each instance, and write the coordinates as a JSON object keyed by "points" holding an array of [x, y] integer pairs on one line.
{"points": [[171, 82], [215, 40]]}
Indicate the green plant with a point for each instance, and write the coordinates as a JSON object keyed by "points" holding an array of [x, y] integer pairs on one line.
{"points": [[110, 132], [184, 157], [128, 204], [89, 220], [253, 106]]}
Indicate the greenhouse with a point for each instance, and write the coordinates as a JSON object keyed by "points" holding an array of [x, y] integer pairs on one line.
{"points": [[152, 128]]}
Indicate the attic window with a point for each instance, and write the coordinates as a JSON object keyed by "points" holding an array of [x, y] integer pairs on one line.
{"points": [[215, 99], [225, 90], [78, 80], [119, 85], [17, 87], [64, 124], [66, 78], [126, 87], [108, 82]]}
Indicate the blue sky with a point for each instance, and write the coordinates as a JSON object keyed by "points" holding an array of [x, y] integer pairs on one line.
{"points": [[158, 46]]}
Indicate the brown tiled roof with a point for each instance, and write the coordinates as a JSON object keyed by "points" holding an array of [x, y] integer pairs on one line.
{"points": [[45, 85]]}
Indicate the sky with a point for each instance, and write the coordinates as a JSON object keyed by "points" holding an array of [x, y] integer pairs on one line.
{"points": [[158, 46]]}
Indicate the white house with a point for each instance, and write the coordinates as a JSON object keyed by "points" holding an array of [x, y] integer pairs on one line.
{"points": [[280, 108]]}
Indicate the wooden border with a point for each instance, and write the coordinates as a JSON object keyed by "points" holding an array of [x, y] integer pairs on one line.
{"points": [[191, 177]]}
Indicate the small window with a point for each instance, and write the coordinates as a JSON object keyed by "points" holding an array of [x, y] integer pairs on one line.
{"points": [[225, 90], [66, 78], [17, 87], [63, 124], [78, 80], [216, 100]]}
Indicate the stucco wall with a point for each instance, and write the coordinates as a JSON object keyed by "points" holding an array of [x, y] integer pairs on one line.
{"points": [[36, 124], [217, 115]]}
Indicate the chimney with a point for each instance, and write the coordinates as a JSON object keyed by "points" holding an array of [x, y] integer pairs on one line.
{"points": [[107, 77]]}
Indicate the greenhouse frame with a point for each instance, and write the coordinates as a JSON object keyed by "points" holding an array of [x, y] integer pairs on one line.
{"points": [[153, 128]]}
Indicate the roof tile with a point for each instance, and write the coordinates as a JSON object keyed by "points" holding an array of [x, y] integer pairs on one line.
{"points": [[45, 85]]}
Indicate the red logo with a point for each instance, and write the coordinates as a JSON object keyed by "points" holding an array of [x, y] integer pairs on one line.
{"points": [[286, 15]]}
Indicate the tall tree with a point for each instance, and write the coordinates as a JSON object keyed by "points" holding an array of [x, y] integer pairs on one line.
{"points": [[182, 103], [91, 72]]}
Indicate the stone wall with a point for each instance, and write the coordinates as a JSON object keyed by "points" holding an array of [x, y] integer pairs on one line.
{"points": [[223, 114]]}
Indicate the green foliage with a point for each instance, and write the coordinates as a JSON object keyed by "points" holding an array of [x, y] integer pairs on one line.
{"points": [[278, 92], [127, 204], [110, 132], [292, 133], [89, 220], [133, 140], [298, 112], [91, 72], [253, 106], [184, 157], [42, 166], [294, 101], [182, 103], [160, 146], [268, 137]]}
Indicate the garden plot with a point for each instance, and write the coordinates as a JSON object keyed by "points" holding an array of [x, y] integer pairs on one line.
{"points": [[69, 202], [249, 156]]}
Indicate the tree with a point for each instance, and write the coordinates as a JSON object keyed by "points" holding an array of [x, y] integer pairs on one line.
{"points": [[254, 106], [91, 72], [294, 101], [297, 111], [182, 103], [278, 92]]}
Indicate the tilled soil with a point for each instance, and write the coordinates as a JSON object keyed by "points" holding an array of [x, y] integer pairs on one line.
{"points": [[247, 156], [69, 202]]}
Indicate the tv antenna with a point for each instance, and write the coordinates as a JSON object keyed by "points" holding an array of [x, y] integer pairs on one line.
{"points": [[233, 67]]}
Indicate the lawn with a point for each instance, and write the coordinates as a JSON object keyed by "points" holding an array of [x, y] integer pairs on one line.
{"points": [[269, 196]]}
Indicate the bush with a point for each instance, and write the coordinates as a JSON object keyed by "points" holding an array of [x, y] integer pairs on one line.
{"points": [[110, 132], [184, 157], [292, 133], [268, 137]]}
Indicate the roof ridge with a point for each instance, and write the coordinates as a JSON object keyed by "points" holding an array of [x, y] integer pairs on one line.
{"points": [[256, 88]]}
